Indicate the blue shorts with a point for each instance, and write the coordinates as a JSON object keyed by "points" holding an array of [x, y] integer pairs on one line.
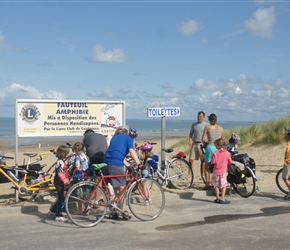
{"points": [[209, 150]]}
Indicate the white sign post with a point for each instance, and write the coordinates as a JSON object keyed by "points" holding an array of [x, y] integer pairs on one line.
{"points": [[163, 112]]}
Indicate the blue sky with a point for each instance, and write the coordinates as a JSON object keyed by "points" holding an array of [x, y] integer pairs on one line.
{"points": [[230, 58]]}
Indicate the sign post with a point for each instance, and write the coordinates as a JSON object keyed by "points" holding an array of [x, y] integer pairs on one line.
{"points": [[163, 112]]}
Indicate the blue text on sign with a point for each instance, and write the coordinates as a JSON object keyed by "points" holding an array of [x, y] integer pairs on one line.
{"points": [[160, 112]]}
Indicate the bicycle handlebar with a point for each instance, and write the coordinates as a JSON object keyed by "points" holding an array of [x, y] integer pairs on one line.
{"points": [[7, 157]]}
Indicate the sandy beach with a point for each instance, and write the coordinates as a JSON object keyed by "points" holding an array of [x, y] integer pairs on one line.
{"points": [[269, 159]]}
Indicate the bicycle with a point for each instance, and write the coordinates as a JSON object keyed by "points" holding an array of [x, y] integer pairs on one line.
{"points": [[24, 185], [81, 197], [280, 182], [175, 172], [243, 182]]}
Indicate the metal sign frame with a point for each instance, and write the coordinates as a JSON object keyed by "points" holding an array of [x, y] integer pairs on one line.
{"points": [[53, 118]]}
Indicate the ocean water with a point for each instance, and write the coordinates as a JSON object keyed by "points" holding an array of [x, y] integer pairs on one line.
{"points": [[149, 126]]}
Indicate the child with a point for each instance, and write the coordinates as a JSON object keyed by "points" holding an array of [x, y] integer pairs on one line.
{"points": [[221, 159], [232, 146], [60, 181], [81, 161], [150, 161], [286, 167]]}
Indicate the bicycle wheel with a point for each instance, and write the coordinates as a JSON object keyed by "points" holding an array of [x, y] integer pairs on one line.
{"points": [[280, 182], [245, 186], [80, 204], [202, 172], [23, 194], [143, 205], [180, 173]]}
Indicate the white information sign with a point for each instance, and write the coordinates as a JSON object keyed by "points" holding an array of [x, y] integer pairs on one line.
{"points": [[67, 117], [163, 112]]}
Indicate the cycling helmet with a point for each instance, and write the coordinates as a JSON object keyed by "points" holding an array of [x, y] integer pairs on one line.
{"points": [[235, 138], [287, 131], [122, 129], [146, 147], [133, 133]]}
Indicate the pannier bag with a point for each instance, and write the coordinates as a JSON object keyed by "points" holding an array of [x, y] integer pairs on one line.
{"points": [[242, 158], [245, 159], [236, 172]]}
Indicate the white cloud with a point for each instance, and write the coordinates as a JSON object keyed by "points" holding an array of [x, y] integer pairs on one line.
{"points": [[201, 84], [217, 94], [17, 91], [102, 93], [238, 90], [101, 56], [234, 33], [262, 22], [188, 27]]}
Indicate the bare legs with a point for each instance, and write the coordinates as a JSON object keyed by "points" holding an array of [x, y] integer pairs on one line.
{"points": [[206, 173]]}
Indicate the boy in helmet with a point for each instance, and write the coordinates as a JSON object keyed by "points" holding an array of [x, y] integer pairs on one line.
{"points": [[150, 161], [286, 167], [232, 146]]}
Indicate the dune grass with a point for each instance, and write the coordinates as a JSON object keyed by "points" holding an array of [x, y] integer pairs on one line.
{"points": [[270, 133]]}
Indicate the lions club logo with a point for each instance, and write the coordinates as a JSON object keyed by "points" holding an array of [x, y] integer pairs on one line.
{"points": [[29, 113]]}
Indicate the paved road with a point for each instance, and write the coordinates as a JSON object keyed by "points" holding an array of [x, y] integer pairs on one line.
{"points": [[190, 221]]}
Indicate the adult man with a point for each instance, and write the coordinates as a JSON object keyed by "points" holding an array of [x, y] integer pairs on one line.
{"points": [[120, 145], [194, 139], [96, 146]]}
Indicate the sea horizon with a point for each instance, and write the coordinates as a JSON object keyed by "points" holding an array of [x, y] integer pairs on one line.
{"points": [[143, 126], [148, 129]]}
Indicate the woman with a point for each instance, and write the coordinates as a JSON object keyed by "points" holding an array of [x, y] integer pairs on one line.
{"points": [[211, 133]]}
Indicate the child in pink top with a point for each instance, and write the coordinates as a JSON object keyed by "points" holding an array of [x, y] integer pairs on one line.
{"points": [[221, 159]]}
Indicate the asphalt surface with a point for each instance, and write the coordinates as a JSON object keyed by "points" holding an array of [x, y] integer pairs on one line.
{"points": [[190, 220]]}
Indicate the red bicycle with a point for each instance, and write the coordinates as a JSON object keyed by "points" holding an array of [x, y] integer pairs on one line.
{"points": [[87, 202]]}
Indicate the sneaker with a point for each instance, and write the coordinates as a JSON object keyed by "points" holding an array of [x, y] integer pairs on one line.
{"points": [[60, 219], [113, 216], [287, 196], [123, 217], [51, 213], [146, 202], [224, 202]]}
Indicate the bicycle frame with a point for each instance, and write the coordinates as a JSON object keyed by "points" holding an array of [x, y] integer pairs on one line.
{"points": [[118, 197], [31, 188], [165, 175], [39, 186]]}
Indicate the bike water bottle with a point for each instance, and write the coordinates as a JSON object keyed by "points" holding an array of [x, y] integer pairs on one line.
{"points": [[111, 189], [13, 176]]}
